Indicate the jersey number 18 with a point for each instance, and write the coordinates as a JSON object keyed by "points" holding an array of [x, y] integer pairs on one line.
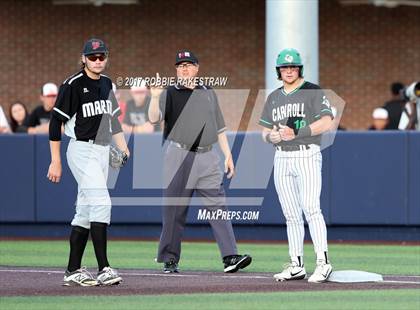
{"points": [[300, 124]]}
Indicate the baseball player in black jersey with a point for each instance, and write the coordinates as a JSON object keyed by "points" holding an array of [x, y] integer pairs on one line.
{"points": [[294, 117], [87, 106]]}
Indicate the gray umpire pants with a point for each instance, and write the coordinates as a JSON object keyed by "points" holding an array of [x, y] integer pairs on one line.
{"points": [[184, 173]]}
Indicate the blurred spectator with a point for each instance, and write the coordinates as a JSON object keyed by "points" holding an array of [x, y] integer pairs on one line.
{"points": [[18, 117], [121, 103], [136, 115], [38, 120], [379, 119], [395, 106], [4, 125], [410, 116]]}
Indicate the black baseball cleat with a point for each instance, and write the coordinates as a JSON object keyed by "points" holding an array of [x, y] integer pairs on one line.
{"points": [[235, 262], [170, 267]]}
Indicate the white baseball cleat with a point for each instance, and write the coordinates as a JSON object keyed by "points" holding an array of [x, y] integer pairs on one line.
{"points": [[79, 277], [108, 276], [321, 273], [292, 271]]}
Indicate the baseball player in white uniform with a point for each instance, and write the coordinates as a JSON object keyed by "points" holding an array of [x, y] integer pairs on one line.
{"points": [[294, 117], [87, 106]]}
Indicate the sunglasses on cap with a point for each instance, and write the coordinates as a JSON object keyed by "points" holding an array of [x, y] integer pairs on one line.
{"points": [[101, 57]]}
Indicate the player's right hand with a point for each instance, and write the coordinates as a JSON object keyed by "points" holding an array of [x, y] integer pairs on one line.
{"points": [[275, 135], [156, 90], [54, 172]]}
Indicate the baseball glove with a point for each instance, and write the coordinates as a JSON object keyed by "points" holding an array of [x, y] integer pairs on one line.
{"points": [[117, 158]]}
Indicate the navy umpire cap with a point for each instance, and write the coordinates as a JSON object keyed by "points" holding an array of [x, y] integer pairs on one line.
{"points": [[95, 46], [185, 56]]}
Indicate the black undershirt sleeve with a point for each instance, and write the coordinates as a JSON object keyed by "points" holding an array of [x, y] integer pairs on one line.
{"points": [[55, 129]]}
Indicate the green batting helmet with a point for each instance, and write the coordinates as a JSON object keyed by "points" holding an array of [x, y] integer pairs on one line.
{"points": [[289, 57]]}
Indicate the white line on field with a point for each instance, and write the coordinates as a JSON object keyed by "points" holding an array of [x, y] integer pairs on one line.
{"points": [[402, 282], [190, 275], [193, 275], [141, 274], [31, 271], [159, 275]]}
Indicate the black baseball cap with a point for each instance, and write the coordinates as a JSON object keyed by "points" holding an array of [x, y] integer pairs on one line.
{"points": [[94, 46], [396, 88], [185, 56]]}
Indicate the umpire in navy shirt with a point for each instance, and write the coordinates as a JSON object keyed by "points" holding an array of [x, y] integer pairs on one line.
{"points": [[193, 122]]}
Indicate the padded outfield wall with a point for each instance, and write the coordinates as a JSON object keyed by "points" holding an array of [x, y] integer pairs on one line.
{"points": [[371, 189]]}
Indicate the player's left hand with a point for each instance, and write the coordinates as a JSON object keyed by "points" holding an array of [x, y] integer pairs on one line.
{"points": [[229, 167], [54, 172], [287, 133]]}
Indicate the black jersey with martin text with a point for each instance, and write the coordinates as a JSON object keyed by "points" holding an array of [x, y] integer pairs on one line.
{"points": [[87, 107], [297, 109]]}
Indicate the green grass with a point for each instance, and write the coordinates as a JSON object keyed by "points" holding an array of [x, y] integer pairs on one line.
{"points": [[396, 299], [383, 259]]}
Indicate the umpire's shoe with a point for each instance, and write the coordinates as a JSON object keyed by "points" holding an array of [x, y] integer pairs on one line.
{"points": [[108, 276], [292, 271], [235, 262], [170, 267], [79, 277]]}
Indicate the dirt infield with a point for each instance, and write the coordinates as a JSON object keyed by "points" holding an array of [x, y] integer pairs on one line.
{"points": [[21, 281]]}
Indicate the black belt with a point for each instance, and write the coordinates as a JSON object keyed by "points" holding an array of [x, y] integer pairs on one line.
{"points": [[198, 149], [292, 148], [91, 141]]}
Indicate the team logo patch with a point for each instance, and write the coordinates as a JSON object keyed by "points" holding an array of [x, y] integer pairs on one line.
{"points": [[183, 55], [95, 45], [288, 58]]}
